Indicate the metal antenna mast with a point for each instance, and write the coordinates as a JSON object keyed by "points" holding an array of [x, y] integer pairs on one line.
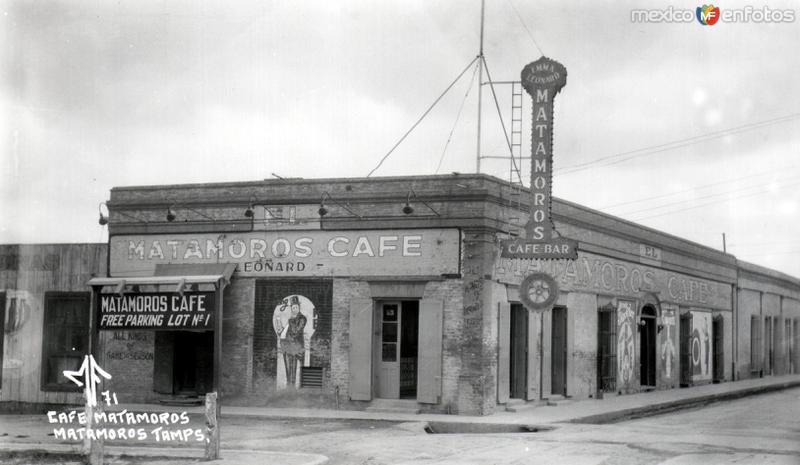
{"points": [[480, 92]]}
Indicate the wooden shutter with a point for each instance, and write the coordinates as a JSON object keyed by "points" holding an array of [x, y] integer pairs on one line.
{"points": [[2, 332], [429, 379], [503, 351], [534, 355], [361, 311], [718, 368]]}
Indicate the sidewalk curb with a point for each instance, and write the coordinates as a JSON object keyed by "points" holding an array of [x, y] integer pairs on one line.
{"points": [[671, 406], [194, 455]]}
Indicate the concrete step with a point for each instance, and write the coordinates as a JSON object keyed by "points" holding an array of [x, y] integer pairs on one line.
{"points": [[514, 405], [556, 400], [408, 406]]}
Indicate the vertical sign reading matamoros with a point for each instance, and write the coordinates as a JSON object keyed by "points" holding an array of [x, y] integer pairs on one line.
{"points": [[542, 79]]}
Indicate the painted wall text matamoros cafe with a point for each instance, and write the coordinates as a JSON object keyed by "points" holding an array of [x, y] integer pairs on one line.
{"points": [[295, 253], [599, 274]]}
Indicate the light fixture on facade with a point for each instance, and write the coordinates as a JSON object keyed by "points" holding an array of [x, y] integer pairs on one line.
{"points": [[171, 215], [106, 218], [324, 210], [409, 209], [103, 219], [249, 211]]}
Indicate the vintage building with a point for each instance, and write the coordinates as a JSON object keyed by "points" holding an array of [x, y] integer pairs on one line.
{"points": [[373, 290]]}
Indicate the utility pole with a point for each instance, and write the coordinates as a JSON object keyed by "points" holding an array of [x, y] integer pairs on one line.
{"points": [[480, 92]]}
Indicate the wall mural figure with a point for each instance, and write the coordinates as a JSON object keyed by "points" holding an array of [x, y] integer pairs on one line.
{"points": [[294, 323], [626, 350], [668, 345], [701, 346]]}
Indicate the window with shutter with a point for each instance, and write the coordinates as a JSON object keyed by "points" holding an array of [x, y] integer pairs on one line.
{"points": [[66, 338]]}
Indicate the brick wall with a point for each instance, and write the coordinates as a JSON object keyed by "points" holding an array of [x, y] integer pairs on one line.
{"points": [[478, 359], [450, 292], [237, 337]]}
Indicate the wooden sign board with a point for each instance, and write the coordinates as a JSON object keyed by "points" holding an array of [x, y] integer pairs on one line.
{"points": [[157, 310]]}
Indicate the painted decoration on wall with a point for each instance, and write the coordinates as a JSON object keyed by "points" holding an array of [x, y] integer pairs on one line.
{"points": [[292, 333], [626, 349], [294, 321], [20, 305], [668, 346], [700, 345]]}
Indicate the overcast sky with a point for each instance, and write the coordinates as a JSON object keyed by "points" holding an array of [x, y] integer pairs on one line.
{"points": [[97, 94]]}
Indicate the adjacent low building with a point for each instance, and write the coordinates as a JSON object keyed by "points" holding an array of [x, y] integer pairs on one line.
{"points": [[361, 291]]}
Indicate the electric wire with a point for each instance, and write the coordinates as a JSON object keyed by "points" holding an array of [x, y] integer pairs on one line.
{"points": [[423, 116], [458, 115], [761, 244], [522, 21], [707, 204], [717, 194], [700, 187], [610, 159]]}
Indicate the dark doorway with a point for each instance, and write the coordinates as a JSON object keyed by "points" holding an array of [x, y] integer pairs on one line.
{"points": [[519, 352], [686, 349], [192, 362], [718, 350], [607, 348], [647, 347], [409, 348], [559, 352]]}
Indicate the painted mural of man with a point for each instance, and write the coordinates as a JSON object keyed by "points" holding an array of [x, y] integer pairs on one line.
{"points": [[292, 341], [294, 323]]}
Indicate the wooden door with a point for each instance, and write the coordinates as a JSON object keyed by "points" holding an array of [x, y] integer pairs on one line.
{"points": [[519, 352], [429, 376], [559, 352], [768, 339], [787, 342], [2, 332], [389, 350], [503, 352], [686, 349], [607, 349], [718, 368]]}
